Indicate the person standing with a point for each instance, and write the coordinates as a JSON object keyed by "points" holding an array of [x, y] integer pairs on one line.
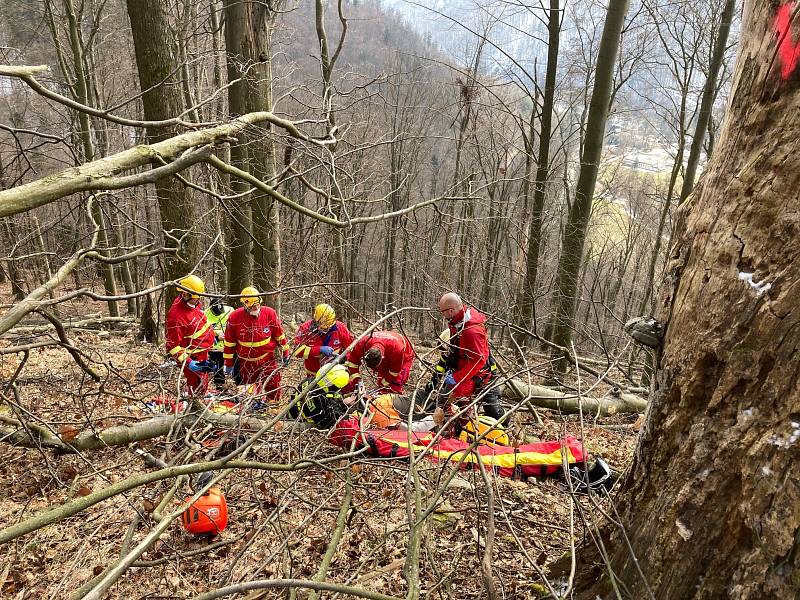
{"points": [[218, 314], [189, 334], [253, 334], [471, 366]]}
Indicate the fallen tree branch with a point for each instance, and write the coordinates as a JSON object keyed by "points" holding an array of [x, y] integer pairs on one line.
{"points": [[572, 357], [288, 202], [335, 536], [269, 584], [120, 435], [68, 345], [68, 509], [26, 74], [102, 174], [544, 397], [28, 347]]}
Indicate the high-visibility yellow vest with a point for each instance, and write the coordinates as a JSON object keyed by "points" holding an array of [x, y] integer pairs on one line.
{"points": [[218, 323]]}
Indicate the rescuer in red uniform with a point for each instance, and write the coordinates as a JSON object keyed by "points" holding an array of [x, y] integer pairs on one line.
{"points": [[189, 334], [472, 367], [321, 339], [251, 337], [388, 353]]}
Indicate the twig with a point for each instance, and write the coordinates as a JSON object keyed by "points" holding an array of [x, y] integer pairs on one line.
{"points": [[336, 536], [67, 344], [486, 560], [271, 584]]}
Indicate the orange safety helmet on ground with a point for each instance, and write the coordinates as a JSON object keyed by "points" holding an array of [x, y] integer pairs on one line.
{"points": [[208, 514], [250, 297], [193, 285]]}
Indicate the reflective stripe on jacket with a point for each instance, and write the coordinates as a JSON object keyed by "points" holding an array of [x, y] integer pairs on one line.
{"points": [[189, 334], [253, 339], [309, 340]]}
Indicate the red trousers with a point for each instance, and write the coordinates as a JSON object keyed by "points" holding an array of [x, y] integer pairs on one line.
{"points": [[196, 383], [265, 374]]}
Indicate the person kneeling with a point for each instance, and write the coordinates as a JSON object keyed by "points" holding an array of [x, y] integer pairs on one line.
{"points": [[323, 404]]}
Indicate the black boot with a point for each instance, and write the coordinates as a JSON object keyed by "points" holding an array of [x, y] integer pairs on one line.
{"points": [[491, 404]]}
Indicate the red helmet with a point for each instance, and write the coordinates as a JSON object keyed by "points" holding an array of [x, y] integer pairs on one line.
{"points": [[208, 514]]}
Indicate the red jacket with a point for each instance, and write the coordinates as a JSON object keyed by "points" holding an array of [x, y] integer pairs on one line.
{"points": [[470, 345], [309, 340], [398, 356], [253, 339], [189, 334]]}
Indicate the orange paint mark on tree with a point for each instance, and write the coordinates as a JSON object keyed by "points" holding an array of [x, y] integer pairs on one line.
{"points": [[788, 51]]}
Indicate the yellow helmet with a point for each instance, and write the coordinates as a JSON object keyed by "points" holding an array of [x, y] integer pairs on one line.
{"points": [[336, 376], [494, 432], [324, 316], [192, 284], [250, 297]]}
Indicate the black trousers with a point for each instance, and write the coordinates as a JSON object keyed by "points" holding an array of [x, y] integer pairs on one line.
{"points": [[218, 373]]}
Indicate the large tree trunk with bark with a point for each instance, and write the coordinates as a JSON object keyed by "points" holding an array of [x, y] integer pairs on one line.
{"points": [[161, 100], [238, 43], [256, 52], [711, 504]]}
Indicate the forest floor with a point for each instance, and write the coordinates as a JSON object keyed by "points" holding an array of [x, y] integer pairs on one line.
{"points": [[279, 523]]}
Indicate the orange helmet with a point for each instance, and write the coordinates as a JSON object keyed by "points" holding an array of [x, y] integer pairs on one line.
{"points": [[208, 514]]}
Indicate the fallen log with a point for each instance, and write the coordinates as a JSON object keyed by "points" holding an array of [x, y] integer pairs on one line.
{"points": [[89, 323], [118, 435], [544, 397]]}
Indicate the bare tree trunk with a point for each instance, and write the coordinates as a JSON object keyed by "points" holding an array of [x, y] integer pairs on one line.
{"points": [[673, 179], [256, 51], [82, 95], [525, 301], [221, 251], [709, 95], [710, 506], [125, 271], [578, 221], [236, 41], [161, 99], [14, 273]]}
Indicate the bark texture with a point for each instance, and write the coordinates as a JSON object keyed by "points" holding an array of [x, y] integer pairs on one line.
{"points": [[237, 43], [161, 99], [711, 504], [544, 397]]}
